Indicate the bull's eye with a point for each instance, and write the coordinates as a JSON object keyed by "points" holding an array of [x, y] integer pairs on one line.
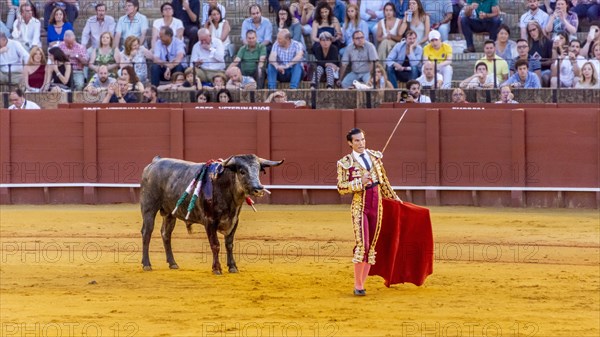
{"points": [[243, 172]]}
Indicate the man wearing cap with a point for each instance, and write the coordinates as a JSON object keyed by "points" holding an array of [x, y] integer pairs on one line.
{"points": [[362, 174], [440, 53], [404, 61]]}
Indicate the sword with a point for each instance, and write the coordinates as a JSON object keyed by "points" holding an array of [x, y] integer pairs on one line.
{"points": [[394, 131]]}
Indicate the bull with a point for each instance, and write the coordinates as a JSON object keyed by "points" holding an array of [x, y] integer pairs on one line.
{"points": [[163, 183]]}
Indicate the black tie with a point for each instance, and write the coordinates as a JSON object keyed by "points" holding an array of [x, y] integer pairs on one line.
{"points": [[367, 166]]}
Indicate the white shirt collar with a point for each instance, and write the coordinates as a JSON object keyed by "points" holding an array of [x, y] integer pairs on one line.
{"points": [[359, 158]]}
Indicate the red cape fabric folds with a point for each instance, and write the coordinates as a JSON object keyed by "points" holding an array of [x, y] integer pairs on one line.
{"points": [[405, 244]]}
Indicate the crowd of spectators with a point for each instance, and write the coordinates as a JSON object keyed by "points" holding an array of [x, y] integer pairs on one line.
{"points": [[399, 41]]}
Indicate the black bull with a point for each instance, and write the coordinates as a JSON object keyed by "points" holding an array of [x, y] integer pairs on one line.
{"points": [[163, 183]]}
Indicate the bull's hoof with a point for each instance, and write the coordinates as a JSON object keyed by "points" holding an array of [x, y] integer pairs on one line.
{"points": [[173, 266], [147, 268], [217, 272], [233, 269]]}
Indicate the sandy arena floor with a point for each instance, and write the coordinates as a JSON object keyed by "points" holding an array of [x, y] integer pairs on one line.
{"points": [[75, 271]]}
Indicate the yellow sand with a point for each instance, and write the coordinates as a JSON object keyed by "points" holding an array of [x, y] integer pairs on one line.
{"points": [[75, 270]]}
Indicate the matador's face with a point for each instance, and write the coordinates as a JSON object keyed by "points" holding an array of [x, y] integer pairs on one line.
{"points": [[358, 142]]}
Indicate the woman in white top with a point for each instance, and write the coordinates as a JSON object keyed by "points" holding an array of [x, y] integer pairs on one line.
{"points": [[353, 23], [505, 47], [387, 31], [136, 55], [167, 20], [588, 78], [418, 20], [219, 28]]}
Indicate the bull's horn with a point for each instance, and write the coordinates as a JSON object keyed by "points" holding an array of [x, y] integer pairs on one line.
{"points": [[265, 162], [229, 161]]}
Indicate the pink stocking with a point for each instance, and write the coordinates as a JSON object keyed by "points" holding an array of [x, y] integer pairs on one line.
{"points": [[358, 275], [365, 273]]}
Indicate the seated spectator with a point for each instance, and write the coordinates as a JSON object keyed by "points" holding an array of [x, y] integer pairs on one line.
{"points": [[100, 82], [535, 65], [119, 93], [35, 71], [562, 20], [220, 29], [27, 29], [595, 59], [78, 56], [168, 20], [339, 9], [381, 80], [285, 20], [251, 59], [325, 22], [591, 40], [416, 20], [440, 52], [69, 8], [135, 55], [237, 81], [17, 98], [361, 56], [151, 95], [59, 72], [57, 27], [203, 96], [303, 11], [262, 26], [480, 79], [588, 78], [133, 23], [440, 16], [4, 29], [208, 55], [506, 96], [372, 12], [505, 47], [540, 48], [95, 26], [568, 66], [429, 79], [404, 60], [414, 93], [459, 96], [277, 97], [191, 80], [224, 96], [496, 65], [132, 78], [285, 61], [188, 12], [177, 81], [586, 9], [168, 54], [523, 78], [327, 61], [480, 16], [207, 6], [219, 81], [281, 97], [534, 13], [352, 23], [12, 58], [457, 10], [387, 31], [106, 55]]}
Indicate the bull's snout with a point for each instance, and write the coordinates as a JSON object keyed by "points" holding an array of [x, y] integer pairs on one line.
{"points": [[258, 190]]}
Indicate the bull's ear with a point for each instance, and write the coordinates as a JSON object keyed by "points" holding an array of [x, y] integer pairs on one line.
{"points": [[269, 163]]}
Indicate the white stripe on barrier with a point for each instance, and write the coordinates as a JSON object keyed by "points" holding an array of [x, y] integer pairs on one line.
{"points": [[329, 187]]}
